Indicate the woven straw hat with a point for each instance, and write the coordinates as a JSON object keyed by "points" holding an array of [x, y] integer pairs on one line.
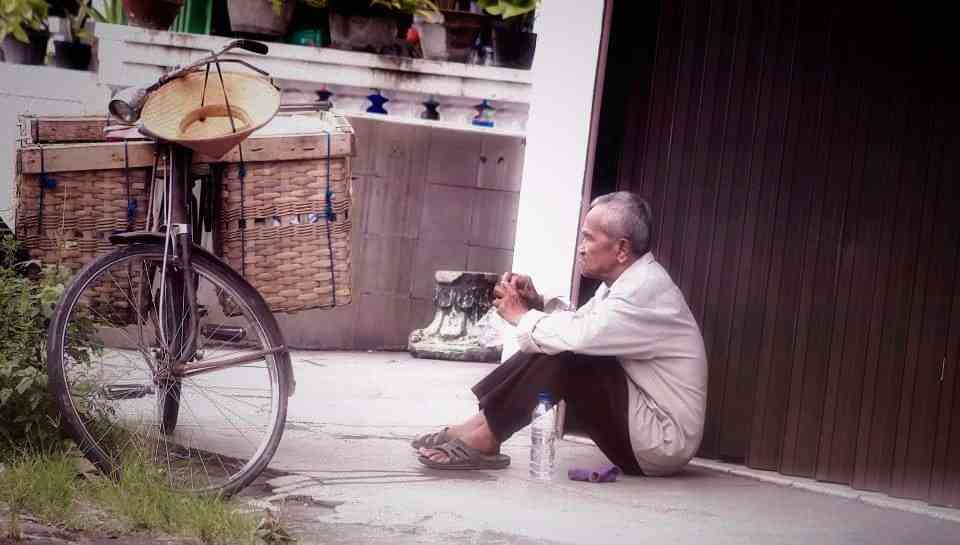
{"points": [[174, 112]]}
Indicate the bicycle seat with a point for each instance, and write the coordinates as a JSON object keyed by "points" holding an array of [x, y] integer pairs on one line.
{"points": [[197, 112]]}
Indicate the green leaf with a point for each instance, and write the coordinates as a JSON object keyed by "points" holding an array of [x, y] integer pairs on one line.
{"points": [[20, 34], [496, 9], [98, 15]]}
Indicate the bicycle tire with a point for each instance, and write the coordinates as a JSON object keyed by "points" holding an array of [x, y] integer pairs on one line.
{"points": [[170, 400], [87, 406]]}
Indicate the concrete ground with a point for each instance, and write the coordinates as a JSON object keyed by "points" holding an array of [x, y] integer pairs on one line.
{"points": [[345, 473]]}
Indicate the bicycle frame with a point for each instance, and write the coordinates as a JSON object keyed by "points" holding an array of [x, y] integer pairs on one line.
{"points": [[178, 235], [175, 232]]}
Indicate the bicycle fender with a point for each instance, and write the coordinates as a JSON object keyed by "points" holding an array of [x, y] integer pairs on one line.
{"points": [[136, 237]]}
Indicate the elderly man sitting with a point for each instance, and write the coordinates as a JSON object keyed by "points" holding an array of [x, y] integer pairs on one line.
{"points": [[630, 363]]}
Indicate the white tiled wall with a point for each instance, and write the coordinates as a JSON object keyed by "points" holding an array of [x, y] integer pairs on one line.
{"points": [[425, 199], [39, 90]]}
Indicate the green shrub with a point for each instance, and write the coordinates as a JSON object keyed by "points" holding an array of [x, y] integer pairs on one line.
{"points": [[20, 16], [28, 295]]}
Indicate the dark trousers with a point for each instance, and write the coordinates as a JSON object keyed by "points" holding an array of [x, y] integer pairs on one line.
{"points": [[594, 388]]}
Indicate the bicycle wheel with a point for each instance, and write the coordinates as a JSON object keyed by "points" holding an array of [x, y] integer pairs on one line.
{"points": [[209, 430]]}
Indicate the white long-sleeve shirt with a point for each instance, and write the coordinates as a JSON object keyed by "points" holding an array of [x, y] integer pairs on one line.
{"points": [[643, 320]]}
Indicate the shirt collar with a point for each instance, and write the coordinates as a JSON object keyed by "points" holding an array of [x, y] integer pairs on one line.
{"points": [[625, 276]]}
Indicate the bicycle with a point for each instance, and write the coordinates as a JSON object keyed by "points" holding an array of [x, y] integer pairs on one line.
{"points": [[159, 352]]}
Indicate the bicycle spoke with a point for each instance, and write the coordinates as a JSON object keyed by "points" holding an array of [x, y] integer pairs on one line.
{"points": [[223, 414], [200, 453]]}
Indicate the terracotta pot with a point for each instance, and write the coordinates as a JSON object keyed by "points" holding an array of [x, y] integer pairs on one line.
{"points": [[257, 17], [155, 14]]}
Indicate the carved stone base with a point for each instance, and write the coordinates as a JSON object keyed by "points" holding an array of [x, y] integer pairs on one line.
{"points": [[461, 300]]}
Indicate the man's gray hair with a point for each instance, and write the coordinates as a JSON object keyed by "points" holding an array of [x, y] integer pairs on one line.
{"points": [[627, 215]]}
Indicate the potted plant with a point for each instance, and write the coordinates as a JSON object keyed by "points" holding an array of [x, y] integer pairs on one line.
{"points": [[512, 40], [23, 31], [75, 51], [310, 25], [457, 35], [260, 17], [376, 26], [154, 14]]}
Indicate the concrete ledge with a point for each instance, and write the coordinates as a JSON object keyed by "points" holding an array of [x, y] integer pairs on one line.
{"points": [[875, 499], [131, 55]]}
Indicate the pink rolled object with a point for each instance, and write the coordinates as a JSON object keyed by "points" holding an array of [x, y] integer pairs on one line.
{"points": [[602, 474]]}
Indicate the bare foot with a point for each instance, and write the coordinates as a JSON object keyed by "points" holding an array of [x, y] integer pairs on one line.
{"points": [[458, 431], [480, 438]]}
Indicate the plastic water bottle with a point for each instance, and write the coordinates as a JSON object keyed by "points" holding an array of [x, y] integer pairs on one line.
{"points": [[543, 439]]}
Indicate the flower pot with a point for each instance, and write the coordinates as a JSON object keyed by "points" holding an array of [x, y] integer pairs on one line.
{"points": [[74, 55], [365, 32], [155, 14], [464, 33], [14, 51], [514, 48], [456, 38], [310, 26], [257, 17]]}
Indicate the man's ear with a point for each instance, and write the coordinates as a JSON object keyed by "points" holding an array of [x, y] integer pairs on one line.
{"points": [[623, 250]]}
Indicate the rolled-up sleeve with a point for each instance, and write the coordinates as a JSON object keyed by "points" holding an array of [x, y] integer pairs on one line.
{"points": [[613, 326], [525, 328]]}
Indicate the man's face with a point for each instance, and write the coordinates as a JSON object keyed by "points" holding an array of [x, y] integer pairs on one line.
{"points": [[598, 254]]}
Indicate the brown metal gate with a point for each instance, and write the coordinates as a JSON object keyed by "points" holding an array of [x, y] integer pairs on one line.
{"points": [[803, 166]]}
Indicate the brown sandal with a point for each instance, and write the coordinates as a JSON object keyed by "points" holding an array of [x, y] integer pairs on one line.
{"points": [[432, 440]]}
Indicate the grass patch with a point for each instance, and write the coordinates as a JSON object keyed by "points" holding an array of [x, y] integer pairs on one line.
{"points": [[143, 500], [48, 487], [44, 485]]}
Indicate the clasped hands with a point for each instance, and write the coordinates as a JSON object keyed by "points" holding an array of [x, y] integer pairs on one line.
{"points": [[514, 295]]}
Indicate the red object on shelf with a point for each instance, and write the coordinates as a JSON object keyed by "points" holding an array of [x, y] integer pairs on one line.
{"points": [[413, 37]]}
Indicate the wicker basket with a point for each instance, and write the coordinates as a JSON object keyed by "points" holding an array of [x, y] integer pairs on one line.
{"points": [[78, 215], [275, 226], [280, 234]]}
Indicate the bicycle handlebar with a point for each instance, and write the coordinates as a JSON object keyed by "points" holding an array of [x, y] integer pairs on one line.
{"points": [[126, 104], [214, 56]]}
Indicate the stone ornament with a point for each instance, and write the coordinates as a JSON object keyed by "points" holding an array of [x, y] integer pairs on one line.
{"points": [[457, 331]]}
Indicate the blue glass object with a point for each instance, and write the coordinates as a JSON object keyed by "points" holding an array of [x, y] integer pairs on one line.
{"points": [[377, 101], [323, 96], [430, 111], [485, 113]]}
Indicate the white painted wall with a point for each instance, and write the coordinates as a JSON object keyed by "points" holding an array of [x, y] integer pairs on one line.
{"points": [[39, 90], [558, 129]]}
